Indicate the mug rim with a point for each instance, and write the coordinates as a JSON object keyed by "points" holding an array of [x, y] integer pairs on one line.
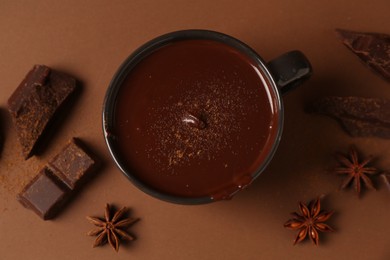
{"points": [[144, 50]]}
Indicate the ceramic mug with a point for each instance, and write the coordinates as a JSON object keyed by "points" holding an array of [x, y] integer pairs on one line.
{"points": [[203, 65]]}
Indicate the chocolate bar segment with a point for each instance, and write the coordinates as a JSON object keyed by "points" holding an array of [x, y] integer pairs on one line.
{"points": [[73, 164], [34, 103], [58, 181], [44, 194], [372, 48], [359, 116]]}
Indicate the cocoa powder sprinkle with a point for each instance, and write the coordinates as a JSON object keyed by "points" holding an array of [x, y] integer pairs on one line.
{"points": [[200, 124]]}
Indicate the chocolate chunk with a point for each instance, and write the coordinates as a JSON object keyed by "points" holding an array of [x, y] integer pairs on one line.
{"points": [[44, 194], [359, 116], [34, 103], [73, 164], [58, 180], [372, 48]]}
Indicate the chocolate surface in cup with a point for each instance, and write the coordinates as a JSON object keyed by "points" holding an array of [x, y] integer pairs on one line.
{"points": [[195, 118]]}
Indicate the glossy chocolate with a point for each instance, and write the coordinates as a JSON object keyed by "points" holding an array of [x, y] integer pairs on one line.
{"points": [[195, 118]]}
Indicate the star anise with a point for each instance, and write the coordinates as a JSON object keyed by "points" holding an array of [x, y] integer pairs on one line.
{"points": [[355, 170], [310, 221], [111, 229]]}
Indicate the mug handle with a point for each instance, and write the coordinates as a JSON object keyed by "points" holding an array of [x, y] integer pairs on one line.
{"points": [[289, 70]]}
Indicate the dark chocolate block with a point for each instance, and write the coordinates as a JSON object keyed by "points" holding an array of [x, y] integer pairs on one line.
{"points": [[73, 164], [359, 116], [58, 180], [44, 194], [33, 104], [372, 48]]}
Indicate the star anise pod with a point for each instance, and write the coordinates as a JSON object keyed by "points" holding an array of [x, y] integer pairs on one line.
{"points": [[111, 229], [355, 170], [309, 221]]}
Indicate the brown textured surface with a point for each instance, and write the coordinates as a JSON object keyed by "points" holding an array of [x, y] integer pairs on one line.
{"points": [[89, 39], [34, 103]]}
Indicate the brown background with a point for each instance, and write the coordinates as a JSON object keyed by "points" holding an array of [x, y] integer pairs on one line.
{"points": [[90, 39]]}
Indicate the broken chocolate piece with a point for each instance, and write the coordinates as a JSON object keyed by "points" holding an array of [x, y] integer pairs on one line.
{"points": [[73, 164], [372, 48], [58, 180], [33, 104], [359, 116], [44, 194]]}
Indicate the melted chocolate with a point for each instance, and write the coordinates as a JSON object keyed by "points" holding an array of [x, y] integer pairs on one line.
{"points": [[195, 119]]}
